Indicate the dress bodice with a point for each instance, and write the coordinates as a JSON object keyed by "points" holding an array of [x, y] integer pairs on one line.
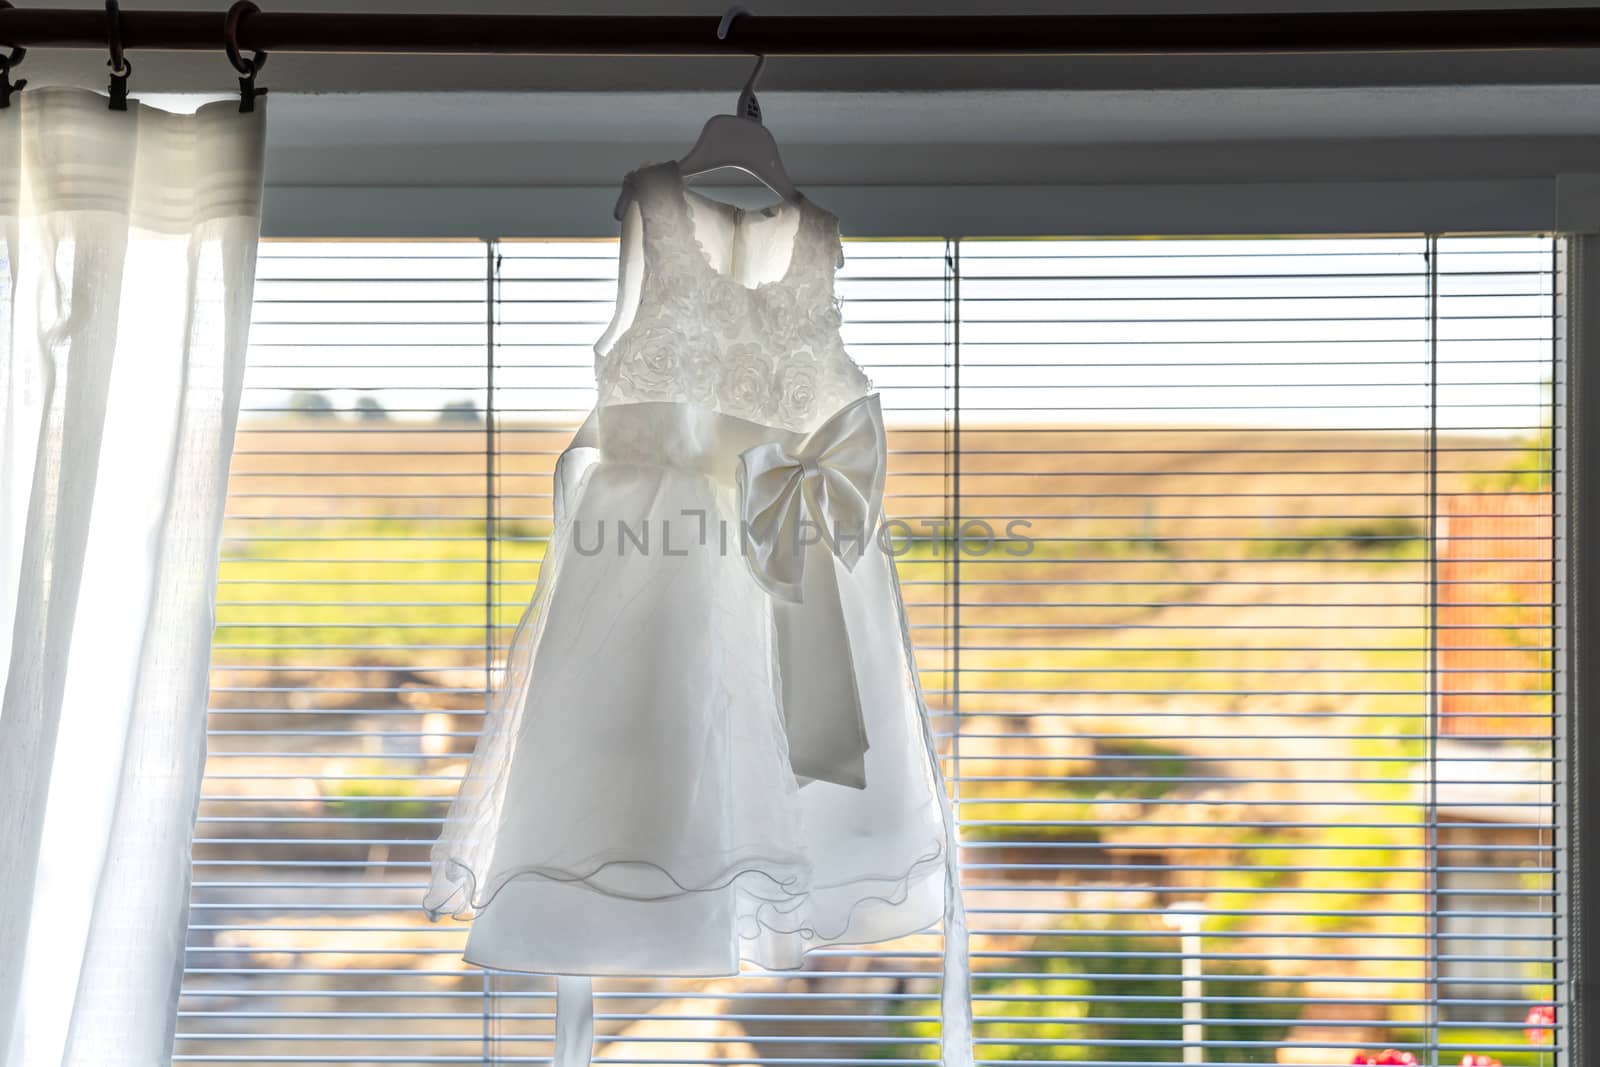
{"points": [[711, 312]]}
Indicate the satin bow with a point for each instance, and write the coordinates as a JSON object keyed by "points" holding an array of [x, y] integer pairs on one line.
{"points": [[829, 487]]}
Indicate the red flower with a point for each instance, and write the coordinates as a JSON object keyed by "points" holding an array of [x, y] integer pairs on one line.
{"points": [[1477, 1059], [1540, 1021], [1393, 1058]]}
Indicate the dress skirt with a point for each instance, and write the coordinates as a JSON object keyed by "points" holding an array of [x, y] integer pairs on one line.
{"points": [[632, 808]]}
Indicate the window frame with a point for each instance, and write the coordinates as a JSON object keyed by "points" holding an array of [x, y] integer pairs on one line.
{"points": [[1578, 800], [1578, 289]]}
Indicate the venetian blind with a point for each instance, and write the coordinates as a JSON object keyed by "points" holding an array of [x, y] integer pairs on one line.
{"points": [[1233, 561]]}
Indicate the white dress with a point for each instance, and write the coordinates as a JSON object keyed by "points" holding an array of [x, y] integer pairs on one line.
{"points": [[709, 744]]}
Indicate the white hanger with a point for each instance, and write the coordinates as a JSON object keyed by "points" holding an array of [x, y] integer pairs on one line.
{"points": [[739, 142]]}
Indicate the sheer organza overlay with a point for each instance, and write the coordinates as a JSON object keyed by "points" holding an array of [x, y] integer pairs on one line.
{"points": [[664, 784]]}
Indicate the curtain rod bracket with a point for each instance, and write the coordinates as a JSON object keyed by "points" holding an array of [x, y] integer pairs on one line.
{"points": [[7, 86], [117, 90], [7, 62]]}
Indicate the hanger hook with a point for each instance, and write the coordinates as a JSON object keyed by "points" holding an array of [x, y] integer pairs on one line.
{"points": [[749, 107], [247, 68], [8, 63], [727, 20], [120, 67]]}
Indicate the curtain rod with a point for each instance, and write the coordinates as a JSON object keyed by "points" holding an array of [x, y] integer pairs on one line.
{"points": [[1480, 30]]}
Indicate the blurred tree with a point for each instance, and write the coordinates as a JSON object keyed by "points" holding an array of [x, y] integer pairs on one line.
{"points": [[463, 410], [310, 402], [371, 409]]}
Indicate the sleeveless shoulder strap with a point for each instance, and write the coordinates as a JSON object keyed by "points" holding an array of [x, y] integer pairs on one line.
{"points": [[646, 244], [645, 185], [668, 244], [663, 212], [826, 239], [818, 252]]}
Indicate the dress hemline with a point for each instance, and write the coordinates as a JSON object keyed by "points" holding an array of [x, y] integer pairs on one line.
{"points": [[469, 906]]}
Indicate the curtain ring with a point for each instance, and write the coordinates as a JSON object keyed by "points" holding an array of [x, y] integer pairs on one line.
{"points": [[119, 60], [7, 64], [120, 67], [247, 68], [230, 39]]}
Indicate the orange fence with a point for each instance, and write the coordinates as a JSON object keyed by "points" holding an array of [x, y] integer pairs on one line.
{"points": [[1495, 593]]}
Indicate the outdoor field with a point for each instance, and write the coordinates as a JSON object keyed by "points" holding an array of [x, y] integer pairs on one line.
{"points": [[1205, 648]]}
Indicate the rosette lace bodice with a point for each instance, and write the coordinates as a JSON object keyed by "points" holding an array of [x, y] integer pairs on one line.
{"points": [[690, 328]]}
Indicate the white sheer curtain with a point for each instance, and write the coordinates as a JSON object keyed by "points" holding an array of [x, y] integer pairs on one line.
{"points": [[129, 244]]}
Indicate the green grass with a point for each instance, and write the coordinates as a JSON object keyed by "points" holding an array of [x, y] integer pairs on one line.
{"points": [[347, 798], [1394, 537], [1019, 811], [1106, 1003], [366, 582]]}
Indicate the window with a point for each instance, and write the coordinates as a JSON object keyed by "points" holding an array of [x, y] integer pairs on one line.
{"points": [[1233, 560]]}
